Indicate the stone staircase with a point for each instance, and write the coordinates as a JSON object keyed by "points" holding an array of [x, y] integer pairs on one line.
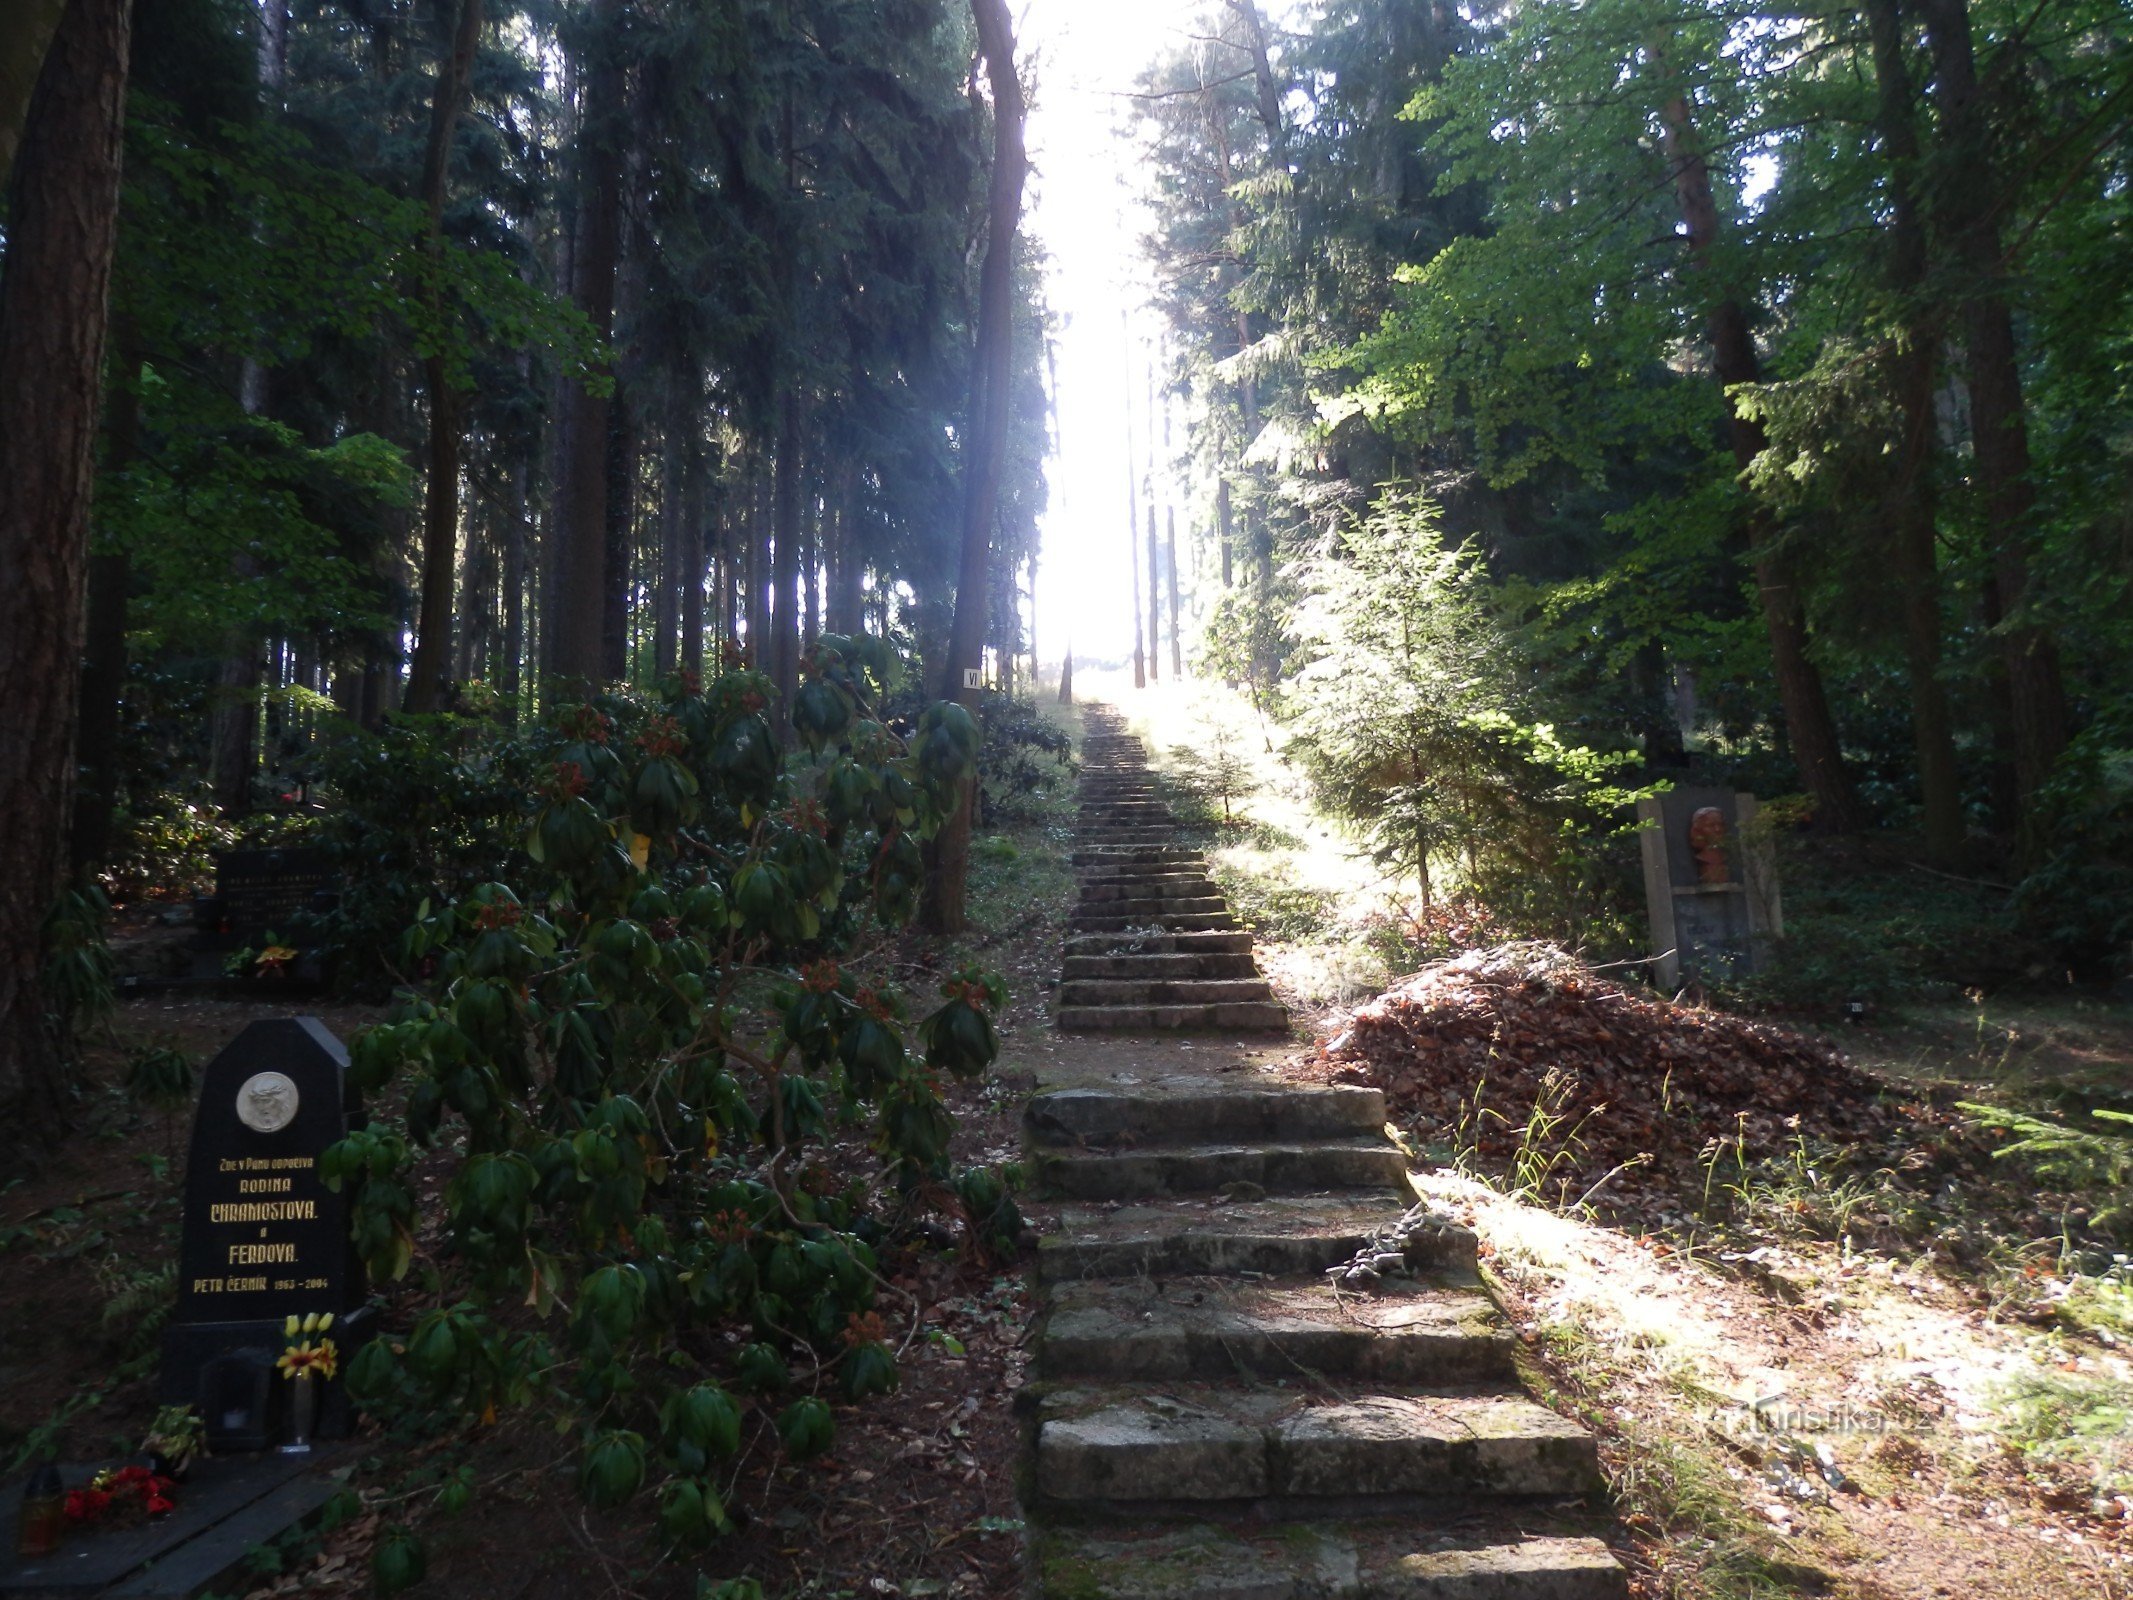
{"points": [[1256, 1378], [1152, 943]]}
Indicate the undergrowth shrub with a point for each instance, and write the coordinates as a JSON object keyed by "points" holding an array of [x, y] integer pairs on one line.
{"points": [[643, 1058]]}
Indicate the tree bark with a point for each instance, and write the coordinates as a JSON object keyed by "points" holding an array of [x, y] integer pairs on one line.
{"points": [[576, 629], [1967, 207], [1809, 727], [785, 557], [1170, 562], [103, 665], [1909, 496], [1133, 509], [54, 310], [440, 523], [991, 398], [25, 35]]}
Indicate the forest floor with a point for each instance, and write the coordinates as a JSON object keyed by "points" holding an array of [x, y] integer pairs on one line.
{"points": [[1821, 1375], [917, 1498]]}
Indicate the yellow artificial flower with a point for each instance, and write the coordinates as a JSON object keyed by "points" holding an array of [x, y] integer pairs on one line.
{"points": [[322, 1358]]}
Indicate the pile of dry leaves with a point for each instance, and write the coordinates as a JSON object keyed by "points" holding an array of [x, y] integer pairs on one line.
{"points": [[1466, 1049]]}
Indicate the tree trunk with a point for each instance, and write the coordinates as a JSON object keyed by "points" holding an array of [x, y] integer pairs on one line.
{"points": [[575, 631], [1133, 509], [1066, 678], [1170, 562], [1910, 513], [440, 523], [103, 666], [1808, 725], [693, 513], [54, 301], [785, 557], [991, 399], [621, 543], [1968, 209], [1223, 532], [25, 36]]}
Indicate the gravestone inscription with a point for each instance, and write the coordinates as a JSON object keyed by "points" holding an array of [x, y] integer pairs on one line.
{"points": [[263, 1237], [258, 892]]}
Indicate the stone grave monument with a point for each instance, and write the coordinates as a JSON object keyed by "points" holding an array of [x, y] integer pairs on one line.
{"points": [[1710, 881], [259, 893], [263, 1237]]}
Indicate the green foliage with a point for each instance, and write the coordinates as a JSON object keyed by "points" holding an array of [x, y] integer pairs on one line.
{"points": [[629, 1056], [1412, 720], [2094, 1165]]}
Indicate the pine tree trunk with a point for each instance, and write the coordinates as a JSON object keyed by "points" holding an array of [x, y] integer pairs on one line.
{"points": [[103, 667], [54, 298], [1170, 563], [577, 627], [673, 563], [785, 558], [1910, 519], [1968, 210], [1809, 728], [992, 375], [621, 542], [440, 523], [25, 35], [693, 512]]}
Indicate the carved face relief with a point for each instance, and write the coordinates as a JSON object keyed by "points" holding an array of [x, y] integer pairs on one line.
{"points": [[1707, 842], [267, 1102]]}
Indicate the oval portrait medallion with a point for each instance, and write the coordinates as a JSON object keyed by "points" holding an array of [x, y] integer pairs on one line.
{"points": [[267, 1102]]}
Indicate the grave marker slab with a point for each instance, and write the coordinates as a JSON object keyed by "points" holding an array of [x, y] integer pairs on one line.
{"points": [[258, 892], [1710, 884], [262, 1236]]}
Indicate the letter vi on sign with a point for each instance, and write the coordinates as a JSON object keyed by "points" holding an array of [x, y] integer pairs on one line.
{"points": [[973, 677]]}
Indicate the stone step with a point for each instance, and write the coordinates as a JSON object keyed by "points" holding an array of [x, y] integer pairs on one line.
{"points": [[1215, 1442], [1160, 966], [1205, 942], [1163, 992], [1154, 905], [1440, 1332], [1202, 1110], [1166, 886], [1303, 1166], [1277, 1235], [1168, 922], [1110, 835], [1135, 855], [1388, 1559], [1177, 866], [1229, 1016]]}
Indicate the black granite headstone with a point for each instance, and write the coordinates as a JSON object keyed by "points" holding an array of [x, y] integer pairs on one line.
{"points": [[262, 1237], [258, 892]]}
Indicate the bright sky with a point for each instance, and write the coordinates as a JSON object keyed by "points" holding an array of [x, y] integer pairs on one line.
{"points": [[1083, 54]]}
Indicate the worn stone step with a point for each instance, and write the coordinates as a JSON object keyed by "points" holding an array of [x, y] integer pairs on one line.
{"points": [[1203, 942], [1188, 865], [1229, 1016], [1276, 1235], [1302, 1166], [1437, 1332], [1201, 1110], [1383, 1559], [1105, 834], [1168, 922], [1119, 1445], [1155, 905], [1163, 992], [1134, 854], [1162, 886], [1172, 967]]}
